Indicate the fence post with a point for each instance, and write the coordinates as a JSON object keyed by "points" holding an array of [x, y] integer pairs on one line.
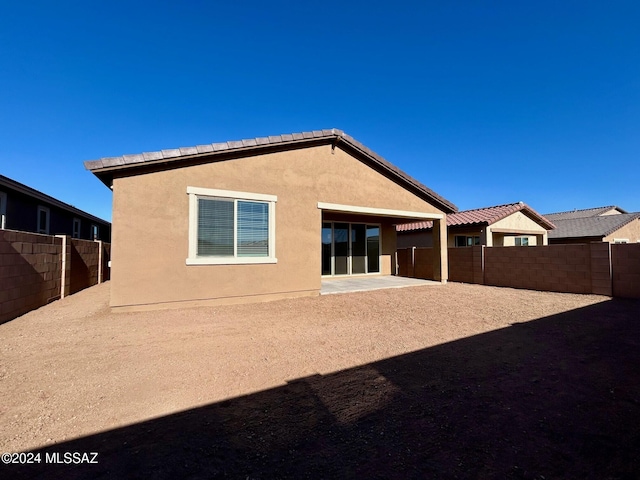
{"points": [[413, 262], [64, 266], [100, 273]]}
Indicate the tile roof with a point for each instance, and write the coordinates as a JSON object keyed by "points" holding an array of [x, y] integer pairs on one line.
{"points": [[104, 168], [481, 216], [591, 226], [584, 213]]}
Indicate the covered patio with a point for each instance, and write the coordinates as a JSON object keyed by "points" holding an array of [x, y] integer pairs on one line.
{"points": [[366, 283]]}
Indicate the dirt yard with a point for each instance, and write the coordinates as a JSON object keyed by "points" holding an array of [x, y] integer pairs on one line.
{"points": [[455, 381]]}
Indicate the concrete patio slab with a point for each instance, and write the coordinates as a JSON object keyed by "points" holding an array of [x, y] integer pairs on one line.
{"points": [[363, 284]]}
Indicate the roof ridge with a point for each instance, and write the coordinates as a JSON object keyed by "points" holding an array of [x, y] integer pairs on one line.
{"points": [[583, 209], [493, 206]]}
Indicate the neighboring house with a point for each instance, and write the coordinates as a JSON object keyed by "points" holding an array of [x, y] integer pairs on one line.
{"points": [[23, 208], [602, 224], [257, 219], [514, 224]]}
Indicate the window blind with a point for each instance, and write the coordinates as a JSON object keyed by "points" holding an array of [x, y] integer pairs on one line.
{"points": [[215, 227], [253, 229]]}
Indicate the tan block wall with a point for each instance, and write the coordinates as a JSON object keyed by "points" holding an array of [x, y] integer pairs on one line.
{"points": [[424, 260], [465, 264], [584, 268], [151, 224], [601, 276], [30, 272], [85, 260], [405, 262], [556, 268], [625, 262]]}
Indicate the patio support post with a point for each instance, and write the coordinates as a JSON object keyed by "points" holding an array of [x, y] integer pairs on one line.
{"points": [[440, 262]]}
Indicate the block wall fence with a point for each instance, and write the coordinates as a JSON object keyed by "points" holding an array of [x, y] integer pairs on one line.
{"points": [[597, 268], [38, 269]]}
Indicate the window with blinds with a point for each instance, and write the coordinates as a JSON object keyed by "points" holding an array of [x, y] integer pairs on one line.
{"points": [[227, 229]]}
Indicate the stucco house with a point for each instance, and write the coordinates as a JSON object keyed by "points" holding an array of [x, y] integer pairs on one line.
{"points": [[600, 224], [29, 210], [257, 219], [514, 224]]}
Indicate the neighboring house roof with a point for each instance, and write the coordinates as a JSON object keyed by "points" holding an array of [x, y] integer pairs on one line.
{"points": [[584, 213], [481, 216], [43, 197], [105, 168], [591, 226]]}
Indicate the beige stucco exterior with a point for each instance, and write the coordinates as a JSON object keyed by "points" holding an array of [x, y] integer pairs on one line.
{"points": [[630, 232], [503, 232], [151, 226]]}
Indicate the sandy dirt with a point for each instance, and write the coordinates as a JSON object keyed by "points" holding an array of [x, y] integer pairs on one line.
{"points": [[454, 381]]}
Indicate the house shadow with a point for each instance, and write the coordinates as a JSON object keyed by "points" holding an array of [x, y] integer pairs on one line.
{"points": [[558, 397]]}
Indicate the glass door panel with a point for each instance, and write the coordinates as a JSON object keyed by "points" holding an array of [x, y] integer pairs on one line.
{"points": [[358, 249], [373, 249], [326, 249], [341, 248]]}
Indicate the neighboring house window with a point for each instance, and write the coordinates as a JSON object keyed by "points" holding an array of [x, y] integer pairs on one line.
{"points": [[522, 241], [466, 241], [3, 210], [43, 220], [227, 227], [76, 228], [95, 232], [620, 240]]}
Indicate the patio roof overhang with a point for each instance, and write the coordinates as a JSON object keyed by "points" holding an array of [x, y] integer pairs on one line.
{"points": [[379, 212]]}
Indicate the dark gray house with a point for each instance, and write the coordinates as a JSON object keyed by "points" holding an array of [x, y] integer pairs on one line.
{"points": [[28, 210]]}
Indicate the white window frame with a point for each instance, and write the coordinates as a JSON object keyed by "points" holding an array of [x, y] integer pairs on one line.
{"points": [[48, 212], [620, 240], [515, 241], [74, 234], [196, 192], [3, 210]]}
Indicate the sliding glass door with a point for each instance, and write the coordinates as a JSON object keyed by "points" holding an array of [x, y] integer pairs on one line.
{"points": [[350, 248]]}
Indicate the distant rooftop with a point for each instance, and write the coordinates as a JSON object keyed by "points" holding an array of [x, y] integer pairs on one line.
{"points": [[584, 213], [594, 226], [32, 192], [481, 216]]}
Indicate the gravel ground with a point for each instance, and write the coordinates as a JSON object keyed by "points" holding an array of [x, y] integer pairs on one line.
{"points": [[453, 381]]}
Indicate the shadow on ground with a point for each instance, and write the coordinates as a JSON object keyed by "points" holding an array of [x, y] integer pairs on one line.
{"points": [[558, 397]]}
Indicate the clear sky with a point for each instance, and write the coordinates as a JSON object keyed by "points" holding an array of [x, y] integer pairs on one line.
{"points": [[485, 102]]}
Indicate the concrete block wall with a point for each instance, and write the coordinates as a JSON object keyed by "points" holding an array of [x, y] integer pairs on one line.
{"points": [[30, 272], [599, 268], [85, 264], [465, 264], [404, 261], [424, 258], [35, 269], [554, 268], [625, 263]]}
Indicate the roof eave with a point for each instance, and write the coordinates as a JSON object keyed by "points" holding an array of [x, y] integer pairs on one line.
{"points": [[106, 168]]}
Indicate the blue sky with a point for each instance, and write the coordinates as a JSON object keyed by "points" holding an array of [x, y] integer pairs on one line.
{"points": [[485, 102]]}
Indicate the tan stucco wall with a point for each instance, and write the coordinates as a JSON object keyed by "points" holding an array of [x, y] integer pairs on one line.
{"points": [[150, 226], [518, 221], [630, 231]]}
